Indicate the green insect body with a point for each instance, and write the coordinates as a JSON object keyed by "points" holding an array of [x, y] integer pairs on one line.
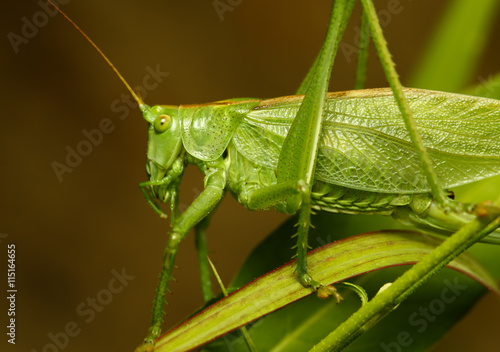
{"points": [[353, 152], [366, 162]]}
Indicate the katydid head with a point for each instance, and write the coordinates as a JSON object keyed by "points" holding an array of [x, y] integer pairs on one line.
{"points": [[164, 139], [164, 142]]}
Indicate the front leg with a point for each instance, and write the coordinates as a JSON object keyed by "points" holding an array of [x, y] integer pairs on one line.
{"points": [[171, 182], [215, 182]]}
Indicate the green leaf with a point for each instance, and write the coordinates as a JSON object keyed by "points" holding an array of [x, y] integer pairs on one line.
{"points": [[453, 51], [329, 264]]}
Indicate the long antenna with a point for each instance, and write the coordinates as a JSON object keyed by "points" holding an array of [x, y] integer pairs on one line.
{"points": [[134, 95]]}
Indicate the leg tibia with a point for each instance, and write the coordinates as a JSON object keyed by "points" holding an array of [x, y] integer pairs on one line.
{"points": [[302, 240], [199, 209]]}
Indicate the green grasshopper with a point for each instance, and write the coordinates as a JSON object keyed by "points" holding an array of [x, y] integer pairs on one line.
{"points": [[352, 152]]}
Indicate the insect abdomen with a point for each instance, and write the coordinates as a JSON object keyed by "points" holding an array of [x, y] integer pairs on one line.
{"points": [[334, 198], [245, 176]]}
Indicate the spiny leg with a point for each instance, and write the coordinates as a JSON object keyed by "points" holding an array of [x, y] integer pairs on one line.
{"points": [[303, 226], [302, 242], [265, 197], [393, 79], [297, 160], [197, 211], [166, 273], [306, 82]]}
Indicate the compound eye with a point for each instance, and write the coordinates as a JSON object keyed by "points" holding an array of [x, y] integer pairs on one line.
{"points": [[162, 123]]}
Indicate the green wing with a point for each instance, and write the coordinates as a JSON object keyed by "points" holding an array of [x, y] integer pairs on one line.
{"points": [[365, 144]]}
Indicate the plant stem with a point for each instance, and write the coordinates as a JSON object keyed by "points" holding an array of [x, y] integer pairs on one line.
{"points": [[384, 302]]}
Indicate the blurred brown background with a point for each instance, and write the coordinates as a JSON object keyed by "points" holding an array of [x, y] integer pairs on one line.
{"points": [[71, 235]]}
